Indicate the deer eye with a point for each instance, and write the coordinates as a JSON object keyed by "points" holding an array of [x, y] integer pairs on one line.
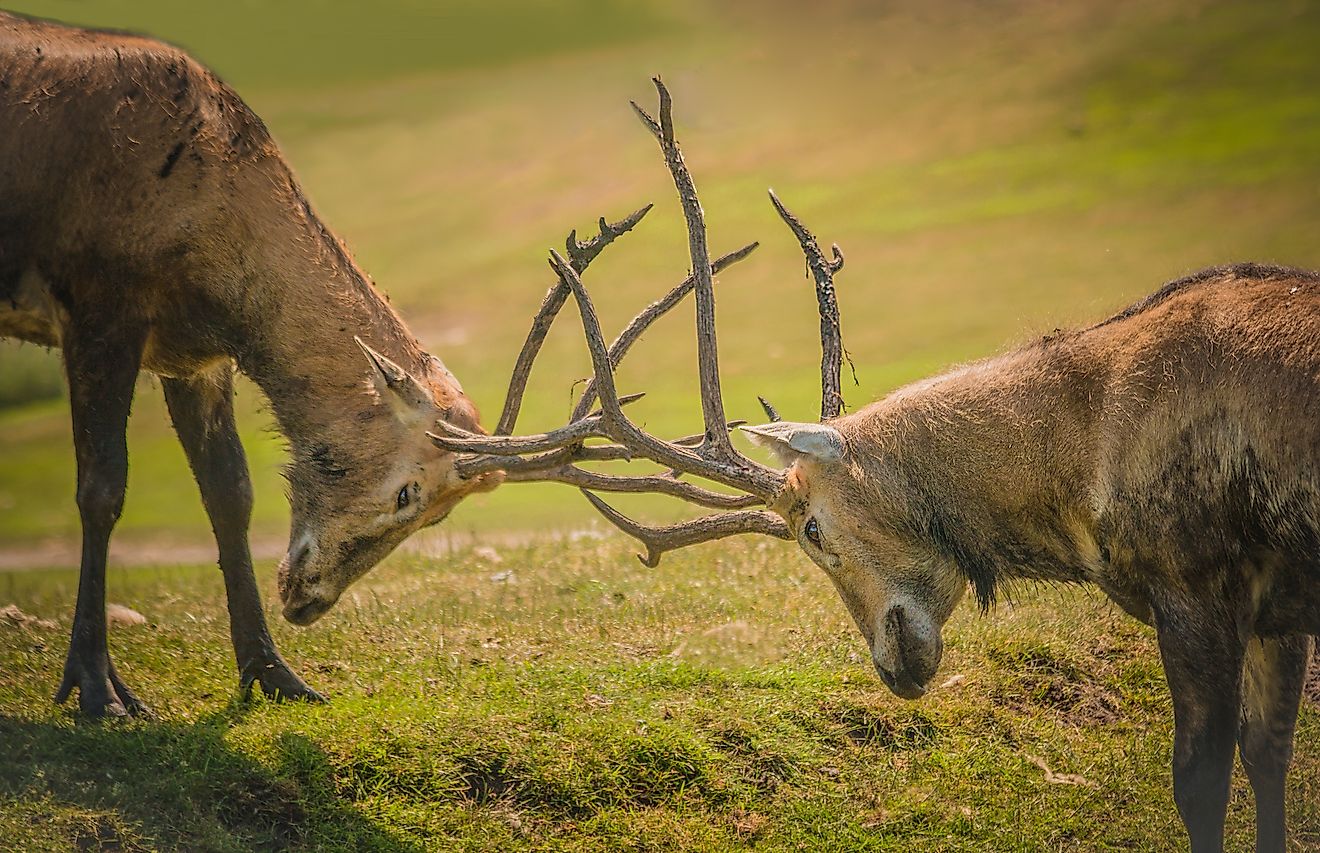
{"points": [[812, 532], [404, 498]]}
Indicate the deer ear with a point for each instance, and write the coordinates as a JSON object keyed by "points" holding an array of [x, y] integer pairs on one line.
{"points": [[396, 386], [791, 441]]}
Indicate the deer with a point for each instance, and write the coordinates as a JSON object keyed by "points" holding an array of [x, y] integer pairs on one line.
{"points": [[1169, 455], [150, 223]]}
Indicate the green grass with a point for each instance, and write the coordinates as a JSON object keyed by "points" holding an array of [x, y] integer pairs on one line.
{"points": [[991, 175], [582, 704]]}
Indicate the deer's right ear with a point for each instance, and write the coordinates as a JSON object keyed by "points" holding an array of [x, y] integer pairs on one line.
{"points": [[396, 386], [792, 441]]}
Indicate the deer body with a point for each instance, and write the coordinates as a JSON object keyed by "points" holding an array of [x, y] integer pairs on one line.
{"points": [[147, 220], [1170, 455]]}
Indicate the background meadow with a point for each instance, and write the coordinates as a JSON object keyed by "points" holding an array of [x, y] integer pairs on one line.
{"points": [[513, 679]]}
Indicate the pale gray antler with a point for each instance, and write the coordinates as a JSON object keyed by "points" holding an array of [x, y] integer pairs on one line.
{"points": [[553, 455]]}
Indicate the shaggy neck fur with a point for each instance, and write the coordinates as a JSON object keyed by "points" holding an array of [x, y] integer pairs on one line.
{"points": [[991, 469]]}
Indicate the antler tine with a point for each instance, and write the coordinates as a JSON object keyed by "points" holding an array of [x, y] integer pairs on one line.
{"points": [[736, 470], [831, 338], [458, 440], [671, 537], [648, 315], [770, 411], [712, 403], [471, 464], [582, 254], [665, 484]]}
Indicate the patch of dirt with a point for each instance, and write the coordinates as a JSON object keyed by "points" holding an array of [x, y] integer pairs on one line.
{"points": [[269, 811], [747, 825], [1037, 679], [101, 834], [763, 769], [117, 615], [900, 731], [485, 778], [125, 551]]}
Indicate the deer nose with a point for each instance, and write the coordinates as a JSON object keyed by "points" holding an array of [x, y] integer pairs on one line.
{"points": [[306, 612], [908, 664]]}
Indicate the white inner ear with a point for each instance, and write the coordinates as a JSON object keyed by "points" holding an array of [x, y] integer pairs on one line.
{"points": [[789, 440]]}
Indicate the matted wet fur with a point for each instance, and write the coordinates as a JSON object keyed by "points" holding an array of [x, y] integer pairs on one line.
{"points": [[148, 220]]}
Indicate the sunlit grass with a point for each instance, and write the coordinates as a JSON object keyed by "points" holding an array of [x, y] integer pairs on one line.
{"points": [[555, 696]]}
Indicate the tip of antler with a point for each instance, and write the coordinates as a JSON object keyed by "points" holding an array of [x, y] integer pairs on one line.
{"points": [[651, 124], [628, 222], [627, 525], [770, 411]]}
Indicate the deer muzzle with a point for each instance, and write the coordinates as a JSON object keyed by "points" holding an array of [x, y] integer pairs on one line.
{"points": [[303, 595], [907, 650]]}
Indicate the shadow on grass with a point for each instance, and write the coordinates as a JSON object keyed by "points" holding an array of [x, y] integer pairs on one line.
{"points": [[180, 786]]}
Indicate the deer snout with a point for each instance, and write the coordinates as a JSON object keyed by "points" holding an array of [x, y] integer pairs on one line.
{"points": [[907, 650], [304, 597]]}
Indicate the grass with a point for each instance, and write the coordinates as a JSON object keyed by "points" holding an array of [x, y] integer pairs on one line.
{"points": [[986, 183], [552, 697], [991, 171]]}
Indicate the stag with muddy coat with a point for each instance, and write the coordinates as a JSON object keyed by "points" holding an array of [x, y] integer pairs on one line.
{"points": [[1169, 455], [148, 221]]}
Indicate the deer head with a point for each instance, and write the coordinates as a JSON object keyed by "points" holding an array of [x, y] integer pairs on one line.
{"points": [[355, 498]]}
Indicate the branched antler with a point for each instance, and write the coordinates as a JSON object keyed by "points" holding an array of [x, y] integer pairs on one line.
{"points": [[554, 455], [581, 255]]}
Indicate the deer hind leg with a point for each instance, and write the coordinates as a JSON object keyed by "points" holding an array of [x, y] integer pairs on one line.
{"points": [[1271, 691], [1203, 664], [102, 370], [203, 413]]}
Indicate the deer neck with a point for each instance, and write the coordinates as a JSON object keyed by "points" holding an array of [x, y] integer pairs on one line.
{"points": [[1007, 465], [298, 341]]}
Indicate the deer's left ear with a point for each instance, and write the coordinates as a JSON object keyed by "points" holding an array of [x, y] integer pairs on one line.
{"points": [[405, 395], [792, 441]]}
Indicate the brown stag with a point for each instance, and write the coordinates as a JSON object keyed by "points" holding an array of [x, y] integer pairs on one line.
{"points": [[150, 222], [1169, 455]]}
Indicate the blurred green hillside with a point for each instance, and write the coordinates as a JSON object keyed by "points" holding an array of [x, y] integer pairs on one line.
{"points": [[991, 170]]}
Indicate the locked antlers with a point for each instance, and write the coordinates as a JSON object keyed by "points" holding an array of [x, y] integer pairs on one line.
{"points": [[553, 455]]}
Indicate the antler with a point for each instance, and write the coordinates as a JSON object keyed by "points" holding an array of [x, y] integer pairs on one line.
{"points": [[832, 352], [552, 455], [581, 255]]}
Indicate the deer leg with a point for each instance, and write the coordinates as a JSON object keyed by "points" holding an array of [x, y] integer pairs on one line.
{"points": [[1203, 666], [1272, 687], [203, 413], [102, 371]]}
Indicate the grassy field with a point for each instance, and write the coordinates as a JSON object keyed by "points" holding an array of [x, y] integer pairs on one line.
{"points": [[992, 171], [553, 697]]}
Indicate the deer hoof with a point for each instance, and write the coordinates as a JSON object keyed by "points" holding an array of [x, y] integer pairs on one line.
{"points": [[101, 692], [278, 683]]}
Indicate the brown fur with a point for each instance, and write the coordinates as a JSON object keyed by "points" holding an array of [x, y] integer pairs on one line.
{"points": [[1170, 455], [147, 219]]}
